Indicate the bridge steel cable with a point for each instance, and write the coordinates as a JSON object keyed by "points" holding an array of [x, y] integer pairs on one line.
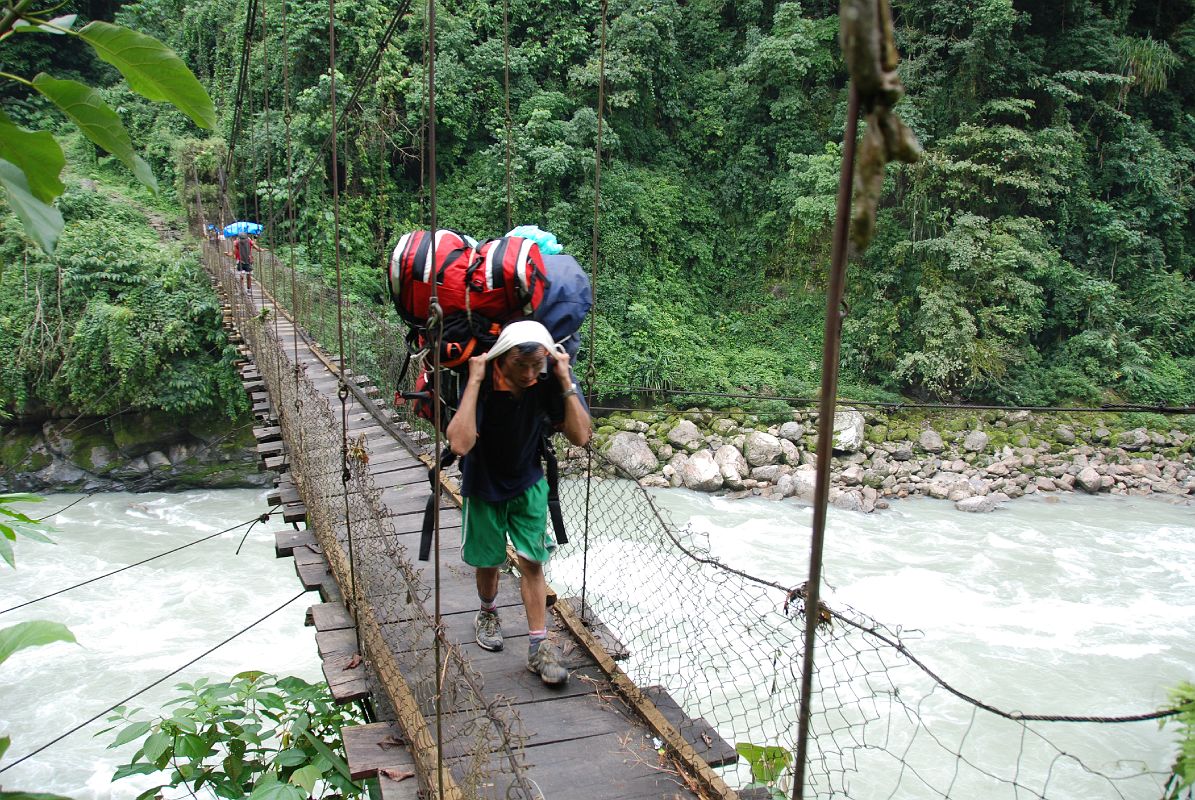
{"points": [[261, 518], [147, 687], [343, 390], [591, 370]]}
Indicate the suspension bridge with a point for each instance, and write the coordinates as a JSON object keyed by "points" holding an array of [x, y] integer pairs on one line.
{"points": [[689, 678], [680, 665]]}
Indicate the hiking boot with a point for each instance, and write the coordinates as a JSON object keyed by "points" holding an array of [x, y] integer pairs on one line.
{"points": [[545, 663], [488, 628]]}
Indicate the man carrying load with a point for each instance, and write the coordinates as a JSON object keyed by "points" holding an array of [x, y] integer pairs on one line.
{"points": [[513, 393]]}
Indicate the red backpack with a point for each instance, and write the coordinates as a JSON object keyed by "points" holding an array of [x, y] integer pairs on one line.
{"points": [[498, 280]]}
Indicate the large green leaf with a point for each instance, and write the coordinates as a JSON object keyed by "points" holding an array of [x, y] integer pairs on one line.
{"points": [[31, 634], [43, 223], [306, 777], [37, 155], [97, 120], [152, 69], [132, 731], [268, 788], [327, 753], [767, 762], [4, 743], [31, 796], [6, 552]]}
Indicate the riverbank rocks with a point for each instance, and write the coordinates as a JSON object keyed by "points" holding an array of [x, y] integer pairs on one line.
{"points": [[975, 460], [129, 452]]}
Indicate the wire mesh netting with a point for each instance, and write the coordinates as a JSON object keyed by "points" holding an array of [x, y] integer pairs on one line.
{"points": [[726, 645]]}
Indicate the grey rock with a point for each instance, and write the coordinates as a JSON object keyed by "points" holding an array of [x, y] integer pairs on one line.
{"points": [[762, 448], [100, 456], [769, 472], [1064, 434], [792, 431], [631, 453], [1136, 439], [930, 441], [978, 505], [975, 442], [790, 453], [902, 452], [701, 473], [849, 501], [732, 465], [685, 434], [849, 427]]}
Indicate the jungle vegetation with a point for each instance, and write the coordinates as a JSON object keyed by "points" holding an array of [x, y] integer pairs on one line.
{"points": [[1041, 252]]}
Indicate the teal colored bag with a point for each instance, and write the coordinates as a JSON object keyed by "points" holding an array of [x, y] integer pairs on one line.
{"points": [[548, 245]]}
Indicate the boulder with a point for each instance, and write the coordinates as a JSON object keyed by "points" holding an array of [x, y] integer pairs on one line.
{"points": [[804, 483], [632, 454], [685, 435], [975, 442], [156, 459], [701, 473], [849, 501], [769, 473], [978, 505], [902, 452], [792, 431], [1064, 434], [790, 453], [852, 475], [930, 441], [1136, 439], [762, 448], [1089, 480], [849, 428], [732, 465]]}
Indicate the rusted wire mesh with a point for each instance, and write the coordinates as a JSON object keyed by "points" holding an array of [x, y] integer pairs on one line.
{"points": [[723, 643], [426, 681]]}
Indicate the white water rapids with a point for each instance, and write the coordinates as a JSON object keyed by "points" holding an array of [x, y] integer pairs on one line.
{"points": [[1080, 605]]}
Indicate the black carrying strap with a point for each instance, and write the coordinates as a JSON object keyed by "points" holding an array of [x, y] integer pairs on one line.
{"points": [[552, 470], [429, 512]]}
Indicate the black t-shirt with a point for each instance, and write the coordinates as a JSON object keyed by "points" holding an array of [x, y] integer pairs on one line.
{"points": [[505, 461]]}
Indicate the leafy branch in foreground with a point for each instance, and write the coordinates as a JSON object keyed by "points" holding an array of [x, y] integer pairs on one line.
{"points": [[31, 161], [1182, 779], [32, 633], [257, 736]]}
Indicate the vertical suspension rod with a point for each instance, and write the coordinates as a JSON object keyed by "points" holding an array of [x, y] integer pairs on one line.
{"points": [[825, 429]]}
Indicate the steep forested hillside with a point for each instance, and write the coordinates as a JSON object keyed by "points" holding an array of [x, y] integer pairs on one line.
{"points": [[1041, 251]]}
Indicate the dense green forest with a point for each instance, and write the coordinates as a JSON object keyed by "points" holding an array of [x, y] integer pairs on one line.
{"points": [[1041, 252]]}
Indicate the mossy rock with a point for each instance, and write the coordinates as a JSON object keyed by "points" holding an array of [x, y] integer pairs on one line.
{"points": [[138, 434], [606, 430], [16, 447], [877, 434], [644, 416]]}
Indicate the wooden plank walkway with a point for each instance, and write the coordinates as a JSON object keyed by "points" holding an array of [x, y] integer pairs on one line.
{"points": [[582, 739]]}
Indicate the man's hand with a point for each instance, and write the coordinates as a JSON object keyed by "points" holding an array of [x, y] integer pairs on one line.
{"points": [[477, 369], [561, 368]]}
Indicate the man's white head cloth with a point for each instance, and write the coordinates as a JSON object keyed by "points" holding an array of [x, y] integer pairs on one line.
{"points": [[523, 332]]}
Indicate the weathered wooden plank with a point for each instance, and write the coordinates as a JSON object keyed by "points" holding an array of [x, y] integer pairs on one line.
{"points": [[368, 748], [609, 766], [294, 512], [330, 616], [285, 541], [346, 683], [335, 642], [267, 433], [697, 732], [313, 574]]}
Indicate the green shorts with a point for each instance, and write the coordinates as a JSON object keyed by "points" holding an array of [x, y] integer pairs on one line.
{"points": [[524, 519]]}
